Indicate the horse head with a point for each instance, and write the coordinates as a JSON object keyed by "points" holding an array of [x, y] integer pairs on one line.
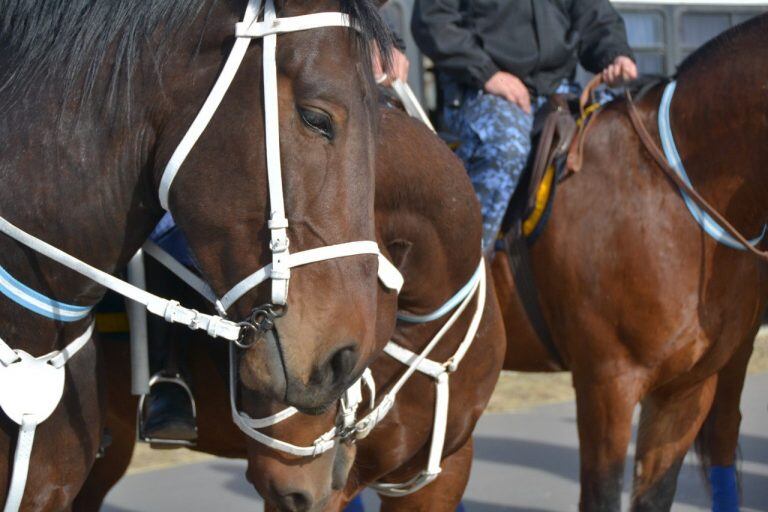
{"points": [[323, 335]]}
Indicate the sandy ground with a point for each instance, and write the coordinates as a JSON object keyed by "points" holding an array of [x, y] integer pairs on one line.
{"points": [[515, 391]]}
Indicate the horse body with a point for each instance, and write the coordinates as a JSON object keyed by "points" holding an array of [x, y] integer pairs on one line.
{"points": [[642, 304], [95, 99]]}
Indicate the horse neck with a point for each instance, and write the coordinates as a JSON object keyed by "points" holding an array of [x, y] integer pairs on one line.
{"points": [[718, 120], [82, 176], [415, 174]]}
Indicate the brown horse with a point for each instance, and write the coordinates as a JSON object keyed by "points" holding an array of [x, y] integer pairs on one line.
{"points": [[644, 307], [428, 219], [94, 99]]}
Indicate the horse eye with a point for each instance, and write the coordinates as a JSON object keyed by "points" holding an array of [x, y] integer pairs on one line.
{"points": [[317, 121]]}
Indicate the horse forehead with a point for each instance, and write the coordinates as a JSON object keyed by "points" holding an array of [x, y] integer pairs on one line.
{"points": [[299, 7]]}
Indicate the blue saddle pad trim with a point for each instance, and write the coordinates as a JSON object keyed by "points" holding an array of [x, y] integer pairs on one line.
{"points": [[707, 223], [170, 238], [39, 303]]}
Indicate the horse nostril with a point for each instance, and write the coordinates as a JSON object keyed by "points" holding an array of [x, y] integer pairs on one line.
{"points": [[294, 502], [342, 363]]}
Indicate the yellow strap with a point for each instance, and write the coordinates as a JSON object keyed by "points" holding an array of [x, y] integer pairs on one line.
{"points": [[591, 109], [112, 322], [542, 198]]}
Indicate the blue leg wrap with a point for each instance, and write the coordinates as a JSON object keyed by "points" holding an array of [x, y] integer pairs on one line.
{"points": [[725, 492], [356, 505], [460, 508]]}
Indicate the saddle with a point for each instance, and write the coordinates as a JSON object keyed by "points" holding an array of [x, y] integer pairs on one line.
{"points": [[560, 129]]}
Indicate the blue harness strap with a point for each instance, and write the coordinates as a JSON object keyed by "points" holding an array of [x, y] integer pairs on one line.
{"points": [[707, 223], [39, 303]]}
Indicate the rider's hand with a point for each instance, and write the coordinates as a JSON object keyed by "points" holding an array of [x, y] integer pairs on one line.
{"points": [[620, 71], [510, 88], [399, 71]]}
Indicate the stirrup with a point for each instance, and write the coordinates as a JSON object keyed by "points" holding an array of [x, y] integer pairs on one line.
{"points": [[141, 418]]}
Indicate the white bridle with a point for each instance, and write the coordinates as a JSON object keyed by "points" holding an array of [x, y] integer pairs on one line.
{"points": [[359, 429], [279, 271], [31, 388]]}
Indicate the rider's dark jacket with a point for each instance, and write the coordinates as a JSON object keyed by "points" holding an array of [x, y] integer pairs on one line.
{"points": [[539, 41]]}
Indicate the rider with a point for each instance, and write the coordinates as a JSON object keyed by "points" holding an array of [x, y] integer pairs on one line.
{"points": [[497, 62]]}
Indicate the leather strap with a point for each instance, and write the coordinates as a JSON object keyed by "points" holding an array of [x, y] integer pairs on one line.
{"points": [[525, 284], [658, 156], [440, 372], [180, 270], [171, 310], [388, 273], [410, 103], [21, 459]]}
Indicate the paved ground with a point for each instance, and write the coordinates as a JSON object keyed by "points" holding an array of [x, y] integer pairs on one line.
{"points": [[525, 461]]}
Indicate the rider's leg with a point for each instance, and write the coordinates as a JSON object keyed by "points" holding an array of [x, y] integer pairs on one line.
{"points": [[168, 410], [495, 140]]}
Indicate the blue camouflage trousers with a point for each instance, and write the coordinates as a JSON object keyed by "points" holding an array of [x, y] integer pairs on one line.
{"points": [[495, 140]]}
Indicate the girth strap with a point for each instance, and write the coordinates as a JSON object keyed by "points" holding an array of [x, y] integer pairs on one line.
{"points": [[516, 248]]}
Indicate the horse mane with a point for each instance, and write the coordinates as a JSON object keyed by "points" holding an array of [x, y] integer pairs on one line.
{"points": [[70, 41], [723, 44]]}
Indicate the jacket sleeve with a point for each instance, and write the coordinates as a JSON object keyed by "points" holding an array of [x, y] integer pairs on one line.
{"points": [[439, 31], [602, 33], [397, 38]]}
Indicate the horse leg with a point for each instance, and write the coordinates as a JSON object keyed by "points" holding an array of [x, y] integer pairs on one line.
{"points": [[669, 422], [121, 425], [604, 416], [719, 436], [444, 494]]}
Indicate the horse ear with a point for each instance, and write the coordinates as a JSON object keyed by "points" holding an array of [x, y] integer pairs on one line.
{"points": [[399, 250]]}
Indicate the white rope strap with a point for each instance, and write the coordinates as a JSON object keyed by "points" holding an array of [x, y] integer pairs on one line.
{"points": [[171, 310], [180, 270], [250, 425], [369, 422], [21, 459], [204, 116], [410, 103], [433, 469], [388, 273], [439, 372], [257, 29]]}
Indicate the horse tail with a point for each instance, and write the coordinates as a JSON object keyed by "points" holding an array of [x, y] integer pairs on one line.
{"points": [[703, 449]]}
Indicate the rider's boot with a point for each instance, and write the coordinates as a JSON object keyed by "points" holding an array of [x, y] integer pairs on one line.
{"points": [[167, 415]]}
